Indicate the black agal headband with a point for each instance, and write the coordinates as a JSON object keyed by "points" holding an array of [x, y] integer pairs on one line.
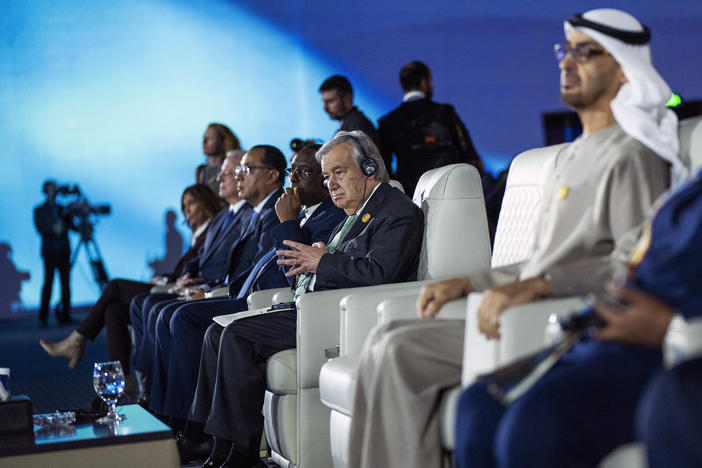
{"points": [[630, 37]]}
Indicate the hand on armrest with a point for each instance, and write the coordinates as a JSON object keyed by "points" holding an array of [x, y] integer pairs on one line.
{"points": [[435, 295], [497, 300]]}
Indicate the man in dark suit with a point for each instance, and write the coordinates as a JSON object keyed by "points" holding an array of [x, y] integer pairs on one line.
{"points": [[362, 251], [53, 222], [421, 133], [260, 178], [209, 264], [306, 214], [337, 95]]}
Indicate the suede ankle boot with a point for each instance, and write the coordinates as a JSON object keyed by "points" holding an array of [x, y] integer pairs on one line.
{"points": [[71, 348]]}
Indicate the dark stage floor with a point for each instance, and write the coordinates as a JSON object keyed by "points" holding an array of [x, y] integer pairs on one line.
{"points": [[48, 381]]}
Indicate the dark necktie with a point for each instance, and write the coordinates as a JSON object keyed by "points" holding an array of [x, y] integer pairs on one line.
{"points": [[227, 221]]}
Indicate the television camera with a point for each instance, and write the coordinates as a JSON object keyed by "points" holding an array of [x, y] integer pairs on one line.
{"points": [[82, 216]]}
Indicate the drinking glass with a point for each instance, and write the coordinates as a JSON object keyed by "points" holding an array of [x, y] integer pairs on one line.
{"points": [[108, 381]]}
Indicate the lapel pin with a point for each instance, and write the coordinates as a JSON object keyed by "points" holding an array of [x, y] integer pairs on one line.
{"points": [[563, 192], [365, 217]]}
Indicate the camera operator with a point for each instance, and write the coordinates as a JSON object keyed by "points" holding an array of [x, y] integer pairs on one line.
{"points": [[53, 222]]}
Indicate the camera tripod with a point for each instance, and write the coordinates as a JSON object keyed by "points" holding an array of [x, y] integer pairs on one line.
{"points": [[97, 265]]}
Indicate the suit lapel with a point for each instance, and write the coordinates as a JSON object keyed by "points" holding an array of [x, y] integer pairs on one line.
{"points": [[210, 241], [321, 210], [270, 204], [370, 209]]}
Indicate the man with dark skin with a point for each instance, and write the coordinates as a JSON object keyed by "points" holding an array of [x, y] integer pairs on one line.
{"points": [[305, 186]]}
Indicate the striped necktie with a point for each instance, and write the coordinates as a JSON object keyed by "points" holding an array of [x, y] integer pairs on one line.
{"points": [[305, 278]]}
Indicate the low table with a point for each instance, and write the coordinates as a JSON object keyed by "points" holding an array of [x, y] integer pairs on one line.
{"points": [[140, 440]]}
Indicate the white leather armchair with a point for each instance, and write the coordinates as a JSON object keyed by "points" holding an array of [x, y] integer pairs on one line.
{"points": [[449, 196], [522, 326]]}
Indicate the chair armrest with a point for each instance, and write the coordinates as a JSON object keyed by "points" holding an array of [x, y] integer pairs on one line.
{"points": [[398, 308], [218, 292], [405, 307], [161, 288], [521, 329], [284, 295], [264, 298], [359, 313], [318, 320], [317, 329]]}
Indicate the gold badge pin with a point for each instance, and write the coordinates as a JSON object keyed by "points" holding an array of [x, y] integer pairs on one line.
{"points": [[365, 218], [563, 192]]}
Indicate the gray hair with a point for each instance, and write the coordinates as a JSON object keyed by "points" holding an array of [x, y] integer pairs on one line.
{"points": [[360, 143]]}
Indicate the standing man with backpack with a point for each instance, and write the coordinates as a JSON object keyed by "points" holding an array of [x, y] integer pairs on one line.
{"points": [[423, 134]]}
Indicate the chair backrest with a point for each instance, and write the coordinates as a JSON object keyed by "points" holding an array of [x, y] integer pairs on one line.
{"points": [[528, 173], [456, 237], [690, 134], [397, 185]]}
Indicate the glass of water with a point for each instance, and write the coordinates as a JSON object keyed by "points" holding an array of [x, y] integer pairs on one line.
{"points": [[108, 381]]}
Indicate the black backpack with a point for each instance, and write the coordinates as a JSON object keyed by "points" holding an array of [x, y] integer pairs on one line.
{"points": [[437, 138]]}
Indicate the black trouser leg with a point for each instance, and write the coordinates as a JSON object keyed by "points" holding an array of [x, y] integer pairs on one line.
{"points": [[46, 289], [64, 269]]}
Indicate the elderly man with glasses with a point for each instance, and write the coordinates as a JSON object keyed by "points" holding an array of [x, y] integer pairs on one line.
{"points": [[599, 190]]}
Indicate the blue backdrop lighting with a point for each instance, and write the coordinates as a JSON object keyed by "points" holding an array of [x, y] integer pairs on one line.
{"points": [[115, 96]]}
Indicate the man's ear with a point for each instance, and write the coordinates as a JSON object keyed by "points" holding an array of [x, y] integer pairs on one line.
{"points": [[272, 177], [424, 85]]}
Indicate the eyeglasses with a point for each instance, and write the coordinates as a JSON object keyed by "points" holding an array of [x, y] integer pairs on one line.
{"points": [[581, 53], [246, 170], [301, 172]]}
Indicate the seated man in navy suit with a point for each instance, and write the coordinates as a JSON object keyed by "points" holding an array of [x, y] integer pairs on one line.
{"points": [[378, 242], [306, 214], [260, 179], [584, 407]]}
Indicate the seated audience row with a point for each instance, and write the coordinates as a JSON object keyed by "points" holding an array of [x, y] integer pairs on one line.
{"points": [[340, 224], [362, 250]]}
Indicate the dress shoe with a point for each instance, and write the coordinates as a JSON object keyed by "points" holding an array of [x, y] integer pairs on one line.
{"points": [[190, 451], [71, 348]]}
